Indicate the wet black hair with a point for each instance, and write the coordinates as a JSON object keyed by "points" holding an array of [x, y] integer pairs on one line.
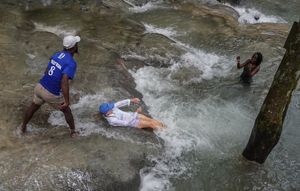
{"points": [[259, 58]]}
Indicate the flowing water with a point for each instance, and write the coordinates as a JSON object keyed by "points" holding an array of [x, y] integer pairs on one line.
{"points": [[189, 81], [210, 116]]}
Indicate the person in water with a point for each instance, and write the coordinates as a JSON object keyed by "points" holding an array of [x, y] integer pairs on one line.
{"points": [[251, 67], [53, 87], [117, 117]]}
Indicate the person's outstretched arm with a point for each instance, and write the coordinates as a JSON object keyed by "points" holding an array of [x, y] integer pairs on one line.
{"points": [[127, 102], [122, 103]]}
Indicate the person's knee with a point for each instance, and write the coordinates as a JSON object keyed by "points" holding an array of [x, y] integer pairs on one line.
{"points": [[66, 110], [141, 116], [33, 107]]}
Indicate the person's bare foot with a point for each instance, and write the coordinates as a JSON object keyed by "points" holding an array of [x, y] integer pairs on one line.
{"points": [[74, 133], [20, 130], [160, 125]]}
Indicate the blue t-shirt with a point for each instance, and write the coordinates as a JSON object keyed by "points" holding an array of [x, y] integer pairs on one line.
{"points": [[60, 63]]}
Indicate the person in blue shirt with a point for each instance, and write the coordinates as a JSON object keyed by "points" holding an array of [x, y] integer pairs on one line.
{"points": [[53, 87]]}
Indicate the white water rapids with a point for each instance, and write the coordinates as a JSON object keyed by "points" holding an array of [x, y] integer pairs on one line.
{"points": [[208, 114]]}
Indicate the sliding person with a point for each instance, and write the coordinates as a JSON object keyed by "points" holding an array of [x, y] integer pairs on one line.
{"points": [[117, 117]]}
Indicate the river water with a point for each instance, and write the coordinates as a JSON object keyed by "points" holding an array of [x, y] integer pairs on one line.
{"points": [[190, 82], [209, 115]]}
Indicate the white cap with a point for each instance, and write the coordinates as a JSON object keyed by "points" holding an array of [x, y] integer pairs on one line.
{"points": [[70, 41]]}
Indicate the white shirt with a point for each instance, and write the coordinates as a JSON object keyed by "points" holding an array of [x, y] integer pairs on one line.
{"points": [[119, 117]]}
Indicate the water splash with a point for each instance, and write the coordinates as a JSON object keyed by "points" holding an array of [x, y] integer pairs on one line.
{"points": [[87, 108], [252, 16], [150, 5], [46, 2], [67, 178], [199, 65], [190, 126], [162, 94], [168, 32]]}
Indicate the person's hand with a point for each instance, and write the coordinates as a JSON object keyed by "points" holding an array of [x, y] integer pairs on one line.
{"points": [[63, 106], [120, 61], [135, 100], [139, 110]]}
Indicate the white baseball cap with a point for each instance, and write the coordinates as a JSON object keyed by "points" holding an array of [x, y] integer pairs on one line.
{"points": [[70, 41]]}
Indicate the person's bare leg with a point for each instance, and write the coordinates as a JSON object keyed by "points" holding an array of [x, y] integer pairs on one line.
{"points": [[70, 120], [149, 124], [28, 115], [143, 117], [145, 124]]}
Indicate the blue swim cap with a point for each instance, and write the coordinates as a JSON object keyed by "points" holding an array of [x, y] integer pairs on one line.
{"points": [[105, 107]]}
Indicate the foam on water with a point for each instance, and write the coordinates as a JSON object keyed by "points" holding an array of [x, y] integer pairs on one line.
{"points": [[251, 15], [159, 87], [46, 2], [70, 178], [146, 7], [83, 111], [31, 56], [210, 127], [168, 32], [190, 126], [205, 65], [58, 30]]}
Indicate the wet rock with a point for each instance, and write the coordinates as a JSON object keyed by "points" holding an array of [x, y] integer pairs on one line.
{"points": [[46, 158], [149, 55], [93, 162]]}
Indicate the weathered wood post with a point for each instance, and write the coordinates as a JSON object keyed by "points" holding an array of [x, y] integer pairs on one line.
{"points": [[268, 124]]}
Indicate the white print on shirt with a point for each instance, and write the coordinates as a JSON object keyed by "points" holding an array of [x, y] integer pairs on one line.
{"points": [[61, 55], [53, 62], [51, 71]]}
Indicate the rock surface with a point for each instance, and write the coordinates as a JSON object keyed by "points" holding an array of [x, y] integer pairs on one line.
{"points": [[103, 158]]}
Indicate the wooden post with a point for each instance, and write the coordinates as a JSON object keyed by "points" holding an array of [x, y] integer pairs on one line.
{"points": [[268, 124]]}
